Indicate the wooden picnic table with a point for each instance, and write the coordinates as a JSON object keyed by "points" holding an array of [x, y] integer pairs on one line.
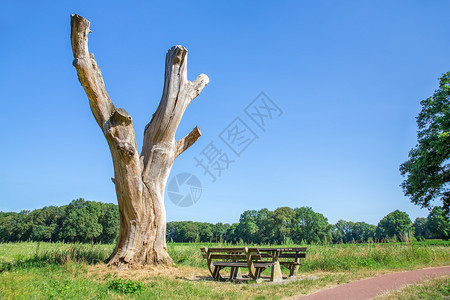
{"points": [[283, 253], [255, 259]]}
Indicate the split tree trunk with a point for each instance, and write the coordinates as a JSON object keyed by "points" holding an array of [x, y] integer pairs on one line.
{"points": [[139, 179]]}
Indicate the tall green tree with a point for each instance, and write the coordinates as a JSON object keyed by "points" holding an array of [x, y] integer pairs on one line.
{"points": [[110, 222], [247, 228], [8, 228], [421, 229], [427, 170], [81, 222], [438, 224], [342, 232], [282, 224], [363, 232], [44, 223], [264, 227], [219, 231], [396, 224], [310, 226]]}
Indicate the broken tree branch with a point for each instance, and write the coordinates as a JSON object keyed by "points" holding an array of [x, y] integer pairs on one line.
{"points": [[188, 140]]}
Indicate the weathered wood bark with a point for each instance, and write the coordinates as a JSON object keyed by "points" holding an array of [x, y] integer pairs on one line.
{"points": [[139, 180]]}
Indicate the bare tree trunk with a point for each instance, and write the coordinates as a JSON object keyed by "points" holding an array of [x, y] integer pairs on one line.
{"points": [[139, 180]]}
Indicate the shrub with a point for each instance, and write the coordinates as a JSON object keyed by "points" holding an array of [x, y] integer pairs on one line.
{"points": [[125, 286]]}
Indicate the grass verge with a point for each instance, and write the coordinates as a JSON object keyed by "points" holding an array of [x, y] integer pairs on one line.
{"points": [[74, 271], [436, 288]]}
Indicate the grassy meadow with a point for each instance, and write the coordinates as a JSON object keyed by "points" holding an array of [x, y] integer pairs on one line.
{"points": [[74, 271]]}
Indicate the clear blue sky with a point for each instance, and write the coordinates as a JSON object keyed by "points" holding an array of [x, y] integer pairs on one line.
{"points": [[348, 76]]}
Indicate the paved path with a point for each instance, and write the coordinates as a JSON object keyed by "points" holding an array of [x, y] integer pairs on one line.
{"points": [[372, 287]]}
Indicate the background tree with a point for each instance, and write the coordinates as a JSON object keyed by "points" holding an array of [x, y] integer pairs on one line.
{"points": [[396, 224], [247, 228], [421, 230], [231, 235], [310, 226], [81, 222], [342, 232], [438, 224], [206, 232], [109, 220], [44, 222], [219, 231], [140, 180], [8, 232], [363, 232], [263, 217], [427, 170], [282, 222]]}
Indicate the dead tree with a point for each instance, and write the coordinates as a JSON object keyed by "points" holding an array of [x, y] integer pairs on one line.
{"points": [[139, 179]]}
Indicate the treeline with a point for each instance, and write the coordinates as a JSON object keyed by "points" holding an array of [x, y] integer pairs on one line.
{"points": [[80, 221], [89, 221], [262, 226]]}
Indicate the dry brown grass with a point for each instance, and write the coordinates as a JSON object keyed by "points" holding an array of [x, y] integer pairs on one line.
{"points": [[146, 273]]}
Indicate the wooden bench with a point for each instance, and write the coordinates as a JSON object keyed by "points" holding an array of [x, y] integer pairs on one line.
{"points": [[287, 257], [253, 260], [235, 258]]}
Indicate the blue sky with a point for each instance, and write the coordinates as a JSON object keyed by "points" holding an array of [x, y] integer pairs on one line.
{"points": [[348, 76]]}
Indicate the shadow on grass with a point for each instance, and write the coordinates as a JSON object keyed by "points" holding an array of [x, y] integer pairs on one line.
{"points": [[78, 253]]}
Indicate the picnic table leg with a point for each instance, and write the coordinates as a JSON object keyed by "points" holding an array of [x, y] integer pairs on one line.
{"points": [[258, 273], [216, 274], [293, 271], [276, 275], [235, 274], [214, 270], [294, 267], [251, 267]]}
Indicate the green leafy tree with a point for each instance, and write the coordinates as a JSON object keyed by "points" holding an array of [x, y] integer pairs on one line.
{"points": [[363, 232], [310, 226], [81, 222], [247, 228], [396, 224], [438, 224], [219, 231], [190, 232], [263, 218], [206, 232], [109, 219], [44, 223], [421, 229], [428, 170], [7, 226], [231, 235], [342, 232], [19, 227], [282, 224]]}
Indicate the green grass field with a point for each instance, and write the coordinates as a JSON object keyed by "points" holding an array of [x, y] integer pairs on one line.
{"points": [[74, 271]]}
